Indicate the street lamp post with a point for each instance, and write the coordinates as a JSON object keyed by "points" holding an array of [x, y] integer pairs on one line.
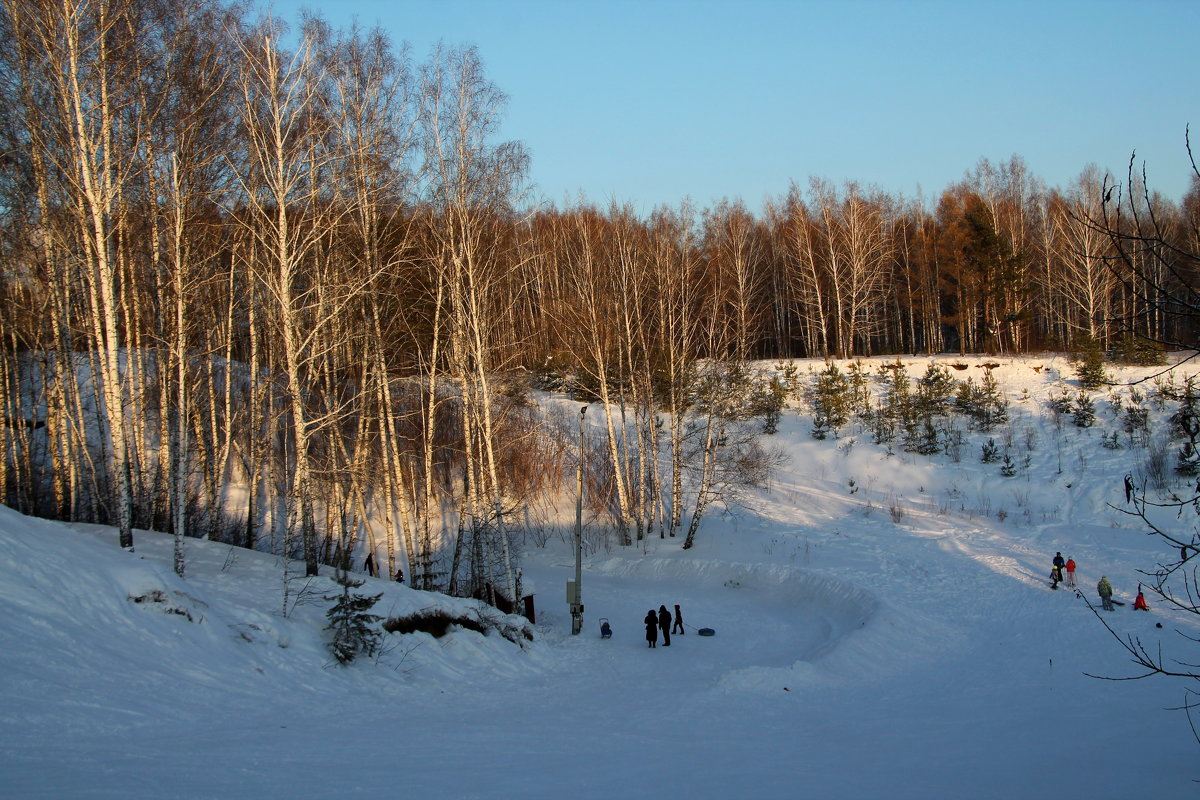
{"points": [[575, 587]]}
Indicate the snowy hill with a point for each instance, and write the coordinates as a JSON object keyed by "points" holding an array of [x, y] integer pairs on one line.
{"points": [[884, 628]]}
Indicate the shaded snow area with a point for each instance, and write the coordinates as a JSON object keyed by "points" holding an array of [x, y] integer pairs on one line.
{"points": [[884, 628]]}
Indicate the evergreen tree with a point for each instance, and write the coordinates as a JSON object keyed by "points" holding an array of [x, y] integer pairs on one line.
{"points": [[898, 400], [925, 440], [1083, 414], [830, 400], [990, 452], [352, 623], [1136, 420], [984, 403], [883, 427], [1060, 403], [768, 401], [1089, 363], [1008, 469], [1138, 351], [966, 398], [860, 392], [1185, 422], [934, 391], [1187, 463], [788, 375]]}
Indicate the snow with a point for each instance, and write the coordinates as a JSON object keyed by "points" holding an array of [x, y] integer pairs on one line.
{"points": [[891, 638]]}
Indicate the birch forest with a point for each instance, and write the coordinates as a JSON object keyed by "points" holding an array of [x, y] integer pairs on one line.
{"points": [[287, 288]]}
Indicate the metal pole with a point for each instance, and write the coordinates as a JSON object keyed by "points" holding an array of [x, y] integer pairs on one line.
{"points": [[577, 593]]}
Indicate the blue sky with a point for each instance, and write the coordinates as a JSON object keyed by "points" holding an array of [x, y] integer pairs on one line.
{"points": [[650, 102]]}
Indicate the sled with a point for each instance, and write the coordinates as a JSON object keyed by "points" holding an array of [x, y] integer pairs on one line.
{"points": [[605, 628], [706, 632]]}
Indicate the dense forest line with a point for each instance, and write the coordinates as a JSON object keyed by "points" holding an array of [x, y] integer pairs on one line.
{"points": [[287, 289]]}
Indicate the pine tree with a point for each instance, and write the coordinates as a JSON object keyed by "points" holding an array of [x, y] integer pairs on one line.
{"points": [[1136, 420], [352, 623], [1089, 366], [983, 403], [1008, 469], [934, 391], [769, 400], [1187, 462], [1083, 414], [1133, 349], [830, 400], [925, 439], [1185, 422], [860, 392], [1061, 403], [966, 398], [898, 399], [990, 452]]}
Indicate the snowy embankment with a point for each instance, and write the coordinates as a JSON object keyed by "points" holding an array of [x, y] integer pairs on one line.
{"points": [[883, 629]]}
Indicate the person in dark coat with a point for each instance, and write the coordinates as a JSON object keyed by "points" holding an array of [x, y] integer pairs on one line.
{"points": [[370, 565], [678, 626], [664, 622], [651, 621], [1056, 575]]}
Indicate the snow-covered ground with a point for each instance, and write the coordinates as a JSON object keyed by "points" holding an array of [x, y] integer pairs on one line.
{"points": [[892, 637]]}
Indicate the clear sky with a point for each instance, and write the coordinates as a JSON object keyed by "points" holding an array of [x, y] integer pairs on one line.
{"points": [[652, 101]]}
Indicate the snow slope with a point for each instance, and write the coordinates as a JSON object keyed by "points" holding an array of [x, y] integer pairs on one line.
{"points": [[891, 638]]}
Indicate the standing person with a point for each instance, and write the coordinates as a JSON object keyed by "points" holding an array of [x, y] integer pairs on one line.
{"points": [[651, 621], [664, 622], [678, 626], [1070, 572], [1104, 589], [1056, 573], [1140, 603], [370, 565]]}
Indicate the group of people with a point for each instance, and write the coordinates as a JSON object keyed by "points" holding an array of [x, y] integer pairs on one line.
{"points": [[1103, 588], [1056, 572], [662, 621]]}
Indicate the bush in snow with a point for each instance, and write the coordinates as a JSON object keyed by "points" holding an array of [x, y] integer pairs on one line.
{"points": [[438, 622]]}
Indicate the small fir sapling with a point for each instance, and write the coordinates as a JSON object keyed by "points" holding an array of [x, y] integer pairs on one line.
{"points": [[935, 389], [1089, 363], [1008, 469], [1083, 413], [1060, 402], [354, 627], [830, 401], [858, 382]]}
